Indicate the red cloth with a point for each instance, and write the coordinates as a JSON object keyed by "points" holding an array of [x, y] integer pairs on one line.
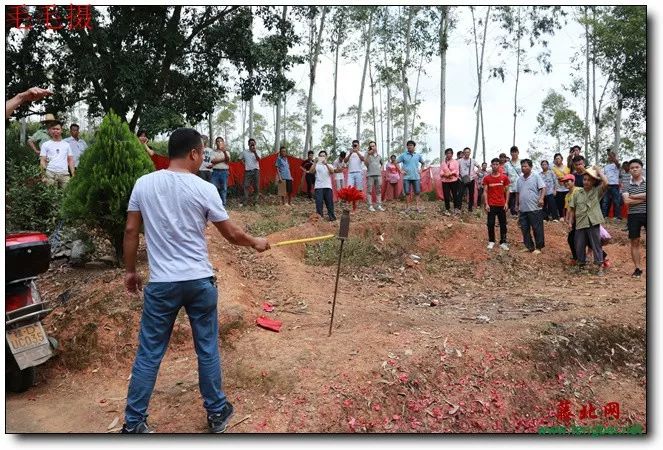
{"points": [[160, 162], [495, 189], [269, 324]]}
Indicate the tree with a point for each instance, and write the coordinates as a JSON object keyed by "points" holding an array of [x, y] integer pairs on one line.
{"points": [[315, 42], [339, 34], [620, 44], [525, 22], [157, 66], [99, 193], [226, 118], [367, 38], [479, 60], [558, 120], [443, 45]]}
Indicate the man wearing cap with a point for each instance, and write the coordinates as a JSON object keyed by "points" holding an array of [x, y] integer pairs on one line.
{"points": [[585, 206], [78, 145], [41, 135], [55, 157]]}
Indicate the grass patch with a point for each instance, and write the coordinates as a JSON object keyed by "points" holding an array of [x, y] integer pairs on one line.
{"points": [[271, 224], [357, 252], [610, 347]]}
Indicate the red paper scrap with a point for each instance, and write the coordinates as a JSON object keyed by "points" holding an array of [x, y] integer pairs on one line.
{"points": [[269, 324], [267, 307]]}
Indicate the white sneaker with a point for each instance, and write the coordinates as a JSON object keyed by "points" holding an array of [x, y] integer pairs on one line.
{"points": [[371, 209], [490, 245], [556, 221], [380, 208], [504, 246], [537, 252]]}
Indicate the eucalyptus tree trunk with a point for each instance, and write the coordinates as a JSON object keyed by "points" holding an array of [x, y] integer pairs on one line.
{"points": [[587, 81], [404, 80], [519, 34], [444, 24], [618, 127], [315, 54], [375, 126], [368, 38], [416, 93], [338, 45], [479, 104]]}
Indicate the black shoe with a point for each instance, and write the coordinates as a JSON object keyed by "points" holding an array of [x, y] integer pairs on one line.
{"points": [[218, 422], [637, 273], [140, 428]]}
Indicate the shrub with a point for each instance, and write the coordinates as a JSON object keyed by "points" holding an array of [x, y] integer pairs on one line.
{"points": [[31, 204], [99, 193]]}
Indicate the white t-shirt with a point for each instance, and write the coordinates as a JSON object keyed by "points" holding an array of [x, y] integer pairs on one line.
{"points": [[77, 148], [355, 164], [322, 176], [175, 207], [207, 158], [339, 165], [56, 153]]}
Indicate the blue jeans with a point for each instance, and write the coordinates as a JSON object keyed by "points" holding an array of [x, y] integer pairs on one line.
{"points": [[220, 180], [411, 185], [612, 196], [356, 179], [162, 302], [533, 220]]}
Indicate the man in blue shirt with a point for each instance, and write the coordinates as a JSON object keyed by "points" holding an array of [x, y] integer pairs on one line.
{"points": [[412, 177], [283, 176]]}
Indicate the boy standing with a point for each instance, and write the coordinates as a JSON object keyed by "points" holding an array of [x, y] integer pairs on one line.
{"points": [[496, 199]]}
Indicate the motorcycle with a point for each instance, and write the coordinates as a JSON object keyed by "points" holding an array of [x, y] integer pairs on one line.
{"points": [[26, 342]]}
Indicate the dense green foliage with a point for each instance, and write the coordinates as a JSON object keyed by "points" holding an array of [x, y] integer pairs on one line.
{"points": [[99, 193]]}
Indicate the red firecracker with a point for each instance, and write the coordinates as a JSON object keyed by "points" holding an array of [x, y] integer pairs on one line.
{"points": [[352, 195]]}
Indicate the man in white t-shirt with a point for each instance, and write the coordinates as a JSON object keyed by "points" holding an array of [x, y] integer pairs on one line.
{"points": [[205, 169], [323, 185], [174, 205], [78, 145], [355, 162], [56, 158]]}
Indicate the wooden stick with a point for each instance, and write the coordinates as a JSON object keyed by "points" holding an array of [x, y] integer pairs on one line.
{"points": [[300, 241]]}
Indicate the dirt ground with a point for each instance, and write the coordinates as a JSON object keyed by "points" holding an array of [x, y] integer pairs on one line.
{"points": [[432, 333]]}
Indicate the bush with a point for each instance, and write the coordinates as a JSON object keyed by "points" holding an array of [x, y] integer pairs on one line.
{"points": [[99, 193], [31, 204]]}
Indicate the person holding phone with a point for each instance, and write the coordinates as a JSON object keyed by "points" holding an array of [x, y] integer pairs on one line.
{"points": [[323, 185]]}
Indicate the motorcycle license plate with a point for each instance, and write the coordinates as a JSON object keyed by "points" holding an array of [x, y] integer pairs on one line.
{"points": [[27, 337]]}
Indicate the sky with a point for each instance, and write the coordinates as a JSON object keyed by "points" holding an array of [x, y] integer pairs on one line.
{"points": [[461, 89]]}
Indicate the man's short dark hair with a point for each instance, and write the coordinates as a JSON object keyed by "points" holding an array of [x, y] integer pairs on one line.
{"points": [[467, 148], [219, 137], [526, 161], [495, 160], [576, 147], [342, 155], [636, 161], [449, 150], [356, 141], [558, 154], [251, 139], [412, 142], [310, 152], [578, 158], [282, 147], [503, 155], [514, 149], [74, 125], [321, 152], [182, 141]]}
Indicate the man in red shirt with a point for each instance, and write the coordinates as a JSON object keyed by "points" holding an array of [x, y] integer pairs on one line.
{"points": [[496, 199]]}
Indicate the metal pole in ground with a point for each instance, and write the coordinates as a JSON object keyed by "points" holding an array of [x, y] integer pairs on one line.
{"points": [[343, 232]]}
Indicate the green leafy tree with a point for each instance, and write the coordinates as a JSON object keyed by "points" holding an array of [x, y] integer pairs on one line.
{"points": [[558, 120], [99, 193], [620, 45]]}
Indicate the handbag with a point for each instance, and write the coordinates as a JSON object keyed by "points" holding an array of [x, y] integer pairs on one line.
{"points": [[605, 236]]}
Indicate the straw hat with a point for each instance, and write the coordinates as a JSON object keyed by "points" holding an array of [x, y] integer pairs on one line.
{"points": [[592, 172], [49, 119]]}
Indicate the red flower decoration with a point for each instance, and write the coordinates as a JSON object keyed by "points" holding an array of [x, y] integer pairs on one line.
{"points": [[352, 195]]}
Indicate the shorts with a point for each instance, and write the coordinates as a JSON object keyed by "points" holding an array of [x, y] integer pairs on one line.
{"points": [[414, 183], [634, 223]]}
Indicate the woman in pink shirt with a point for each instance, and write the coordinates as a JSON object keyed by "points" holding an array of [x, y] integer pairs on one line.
{"points": [[393, 176], [449, 171]]}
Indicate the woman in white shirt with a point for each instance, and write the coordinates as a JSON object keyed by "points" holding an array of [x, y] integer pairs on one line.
{"points": [[323, 185]]}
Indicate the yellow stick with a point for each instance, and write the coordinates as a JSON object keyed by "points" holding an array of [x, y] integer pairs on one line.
{"points": [[300, 241]]}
